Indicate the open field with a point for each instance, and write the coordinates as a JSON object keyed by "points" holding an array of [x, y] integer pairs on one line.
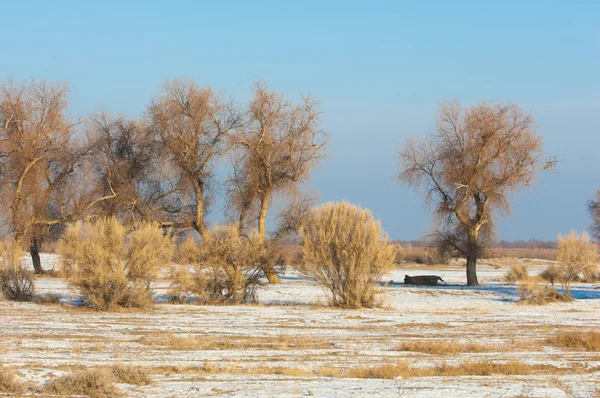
{"points": [[426, 342]]}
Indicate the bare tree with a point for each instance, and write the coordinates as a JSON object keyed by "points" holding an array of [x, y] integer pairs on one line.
{"points": [[594, 209], [279, 144], [192, 123], [39, 157], [468, 167]]}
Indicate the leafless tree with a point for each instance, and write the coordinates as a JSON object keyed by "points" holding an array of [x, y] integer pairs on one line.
{"points": [[45, 178], [39, 157], [594, 209], [468, 167], [278, 145], [192, 123]]}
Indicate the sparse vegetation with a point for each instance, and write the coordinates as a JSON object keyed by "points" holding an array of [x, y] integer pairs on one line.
{"points": [[191, 342], [444, 347], [346, 252], [16, 282], [111, 266], [575, 340]]}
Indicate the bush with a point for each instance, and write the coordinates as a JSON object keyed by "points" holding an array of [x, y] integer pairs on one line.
{"points": [[346, 252], [533, 294], [16, 282], [9, 384], [226, 268], [517, 272], [576, 255], [551, 274], [93, 383], [112, 267]]}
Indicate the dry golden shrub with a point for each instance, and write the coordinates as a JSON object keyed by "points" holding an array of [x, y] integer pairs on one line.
{"points": [[16, 282], [9, 384], [587, 341], [347, 252], [517, 272], [93, 383], [551, 274], [226, 268], [130, 375], [112, 266], [577, 255], [534, 294]]}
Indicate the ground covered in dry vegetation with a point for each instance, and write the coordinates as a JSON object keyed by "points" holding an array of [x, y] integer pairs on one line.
{"points": [[426, 341]]}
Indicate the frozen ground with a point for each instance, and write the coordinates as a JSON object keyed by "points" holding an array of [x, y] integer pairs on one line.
{"points": [[41, 341]]}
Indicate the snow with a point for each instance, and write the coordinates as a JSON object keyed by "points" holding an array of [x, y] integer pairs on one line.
{"points": [[38, 341]]}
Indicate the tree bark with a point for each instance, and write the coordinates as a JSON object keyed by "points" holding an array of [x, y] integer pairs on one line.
{"points": [[35, 257], [472, 270], [262, 235], [262, 217], [199, 216]]}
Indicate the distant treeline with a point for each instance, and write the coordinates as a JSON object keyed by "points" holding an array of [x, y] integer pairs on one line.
{"points": [[503, 244]]}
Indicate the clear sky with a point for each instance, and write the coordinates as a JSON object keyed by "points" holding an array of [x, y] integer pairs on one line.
{"points": [[379, 68]]}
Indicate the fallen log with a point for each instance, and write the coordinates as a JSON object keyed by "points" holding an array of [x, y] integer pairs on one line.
{"points": [[422, 280]]}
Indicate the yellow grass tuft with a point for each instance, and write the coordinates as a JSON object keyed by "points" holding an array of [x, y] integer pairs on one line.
{"points": [[588, 341]]}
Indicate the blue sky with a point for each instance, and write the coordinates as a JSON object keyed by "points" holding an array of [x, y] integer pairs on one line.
{"points": [[379, 68]]}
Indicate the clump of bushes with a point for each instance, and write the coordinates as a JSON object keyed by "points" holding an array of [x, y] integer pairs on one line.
{"points": [[534, 294], [346, 251], [224, 268], [516, 273], [112, 266], [16, 282]]}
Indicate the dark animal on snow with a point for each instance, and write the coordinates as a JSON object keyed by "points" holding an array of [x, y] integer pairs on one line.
{"points": [[422, 280]]}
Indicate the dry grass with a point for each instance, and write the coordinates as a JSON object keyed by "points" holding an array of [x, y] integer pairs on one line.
{"points": [[485, 368], [94, 383], [9, 384], [383, 371], [587, 341], [280, 342], [16, 282], [131, 375], [445, 348]]}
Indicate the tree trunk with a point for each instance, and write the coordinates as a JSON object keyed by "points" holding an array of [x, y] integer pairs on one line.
{"points": [[262, 235], [199, 216], [472, 253], [35, 257], [472, 270], [262, 217]]}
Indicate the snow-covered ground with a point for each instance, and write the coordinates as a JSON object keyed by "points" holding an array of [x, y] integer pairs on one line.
{"points": [[42, 340]]}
